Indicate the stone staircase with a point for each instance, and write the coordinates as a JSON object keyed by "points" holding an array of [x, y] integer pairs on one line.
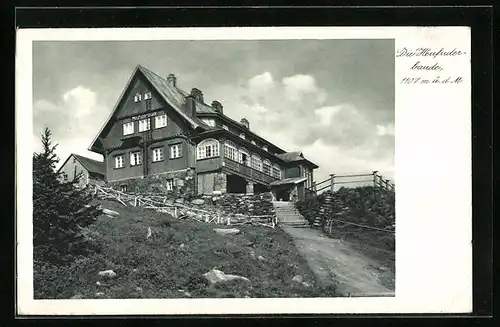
{"points": [[288, 215]]}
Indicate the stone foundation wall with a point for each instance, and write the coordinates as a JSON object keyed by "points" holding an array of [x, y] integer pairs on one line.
{"points": [[183, 184]]}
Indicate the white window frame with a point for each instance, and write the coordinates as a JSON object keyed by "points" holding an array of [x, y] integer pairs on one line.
{"points": [[135, 160], [169, 183], [137, 97], [128, 128], [175, 151], [161, 121], [244, 151], [210, 122], [269, 172], [143, 122], [119, 161], [147, 95], [230, 151], [276, 171], [208, 148], [242, 135], [158, 154], [256, 162]]}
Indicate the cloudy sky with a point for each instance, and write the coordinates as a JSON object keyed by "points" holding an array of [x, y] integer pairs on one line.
{"points": [[331, 99]]}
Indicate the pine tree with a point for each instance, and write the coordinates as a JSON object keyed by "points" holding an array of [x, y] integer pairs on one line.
{"points": [[59, 209]]}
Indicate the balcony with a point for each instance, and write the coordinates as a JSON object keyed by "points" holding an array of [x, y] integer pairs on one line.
{"points": [[248, 173]]}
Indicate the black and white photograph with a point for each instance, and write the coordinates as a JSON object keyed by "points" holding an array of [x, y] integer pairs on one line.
{"points": [[216, 168]]}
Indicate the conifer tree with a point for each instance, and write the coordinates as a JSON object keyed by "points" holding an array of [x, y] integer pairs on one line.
{"points": [[59, 209]]}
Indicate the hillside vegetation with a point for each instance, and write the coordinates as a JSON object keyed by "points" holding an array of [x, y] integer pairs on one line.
{"points": [[172, 261], [367, 206]]}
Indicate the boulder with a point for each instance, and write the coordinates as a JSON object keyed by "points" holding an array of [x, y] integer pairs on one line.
{"points": [[297, 279], [99, 294], [107, 273], [179, 200], [227, 231], [110, 213], [198, 201], [217, 276], [77, 297], [138, 289], [261, 258]]}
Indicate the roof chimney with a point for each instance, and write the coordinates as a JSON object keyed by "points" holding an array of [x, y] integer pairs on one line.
{"points": [[245, 123], [197, 94], [172, 80], [190, 106], [217, 106]]}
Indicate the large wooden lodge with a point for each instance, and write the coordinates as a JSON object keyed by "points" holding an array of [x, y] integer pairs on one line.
{"points": [[161, 138]]}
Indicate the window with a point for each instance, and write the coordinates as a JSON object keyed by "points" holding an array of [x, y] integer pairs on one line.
{"points": [[123, 188], [170, 184], [230, 151], [209, 122], [208, 149], [264, 147], [144, 125], [175, 151], [119, 161], [256, 162], [244, 158], [253, 142], [147, 96], [128, 128], [242, 135], [276, 172], [65, 177], [161, 121], [137, 97], [157, 154], [225, 127], [267, 167], [135, 158]]}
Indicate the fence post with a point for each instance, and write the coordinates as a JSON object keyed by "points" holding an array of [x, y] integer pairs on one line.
{"points": [[375, 178], [314, 187], [332, 182]]}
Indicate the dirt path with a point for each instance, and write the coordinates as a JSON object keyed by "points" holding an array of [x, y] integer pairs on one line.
{"points": [[357, 274]]}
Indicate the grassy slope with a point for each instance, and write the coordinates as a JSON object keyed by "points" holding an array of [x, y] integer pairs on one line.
{"points": [[161, 266]]}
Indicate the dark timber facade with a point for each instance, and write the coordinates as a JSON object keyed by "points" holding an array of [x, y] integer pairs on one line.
{"points": [[161, 133]]}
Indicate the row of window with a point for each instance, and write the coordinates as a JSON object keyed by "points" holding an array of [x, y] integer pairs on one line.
{"points": [[138, 96], [210, 148], [211, 122], [169, 184], [136, 156], [145, 124]]}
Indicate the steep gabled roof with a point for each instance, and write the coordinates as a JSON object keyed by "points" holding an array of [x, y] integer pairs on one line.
{"points": [[91, 165], [170, 94], [291, 180]]}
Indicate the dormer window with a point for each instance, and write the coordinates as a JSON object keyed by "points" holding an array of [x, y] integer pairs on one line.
{"points": [[147, 95], [128, 128], [137, 97], [242, 135], [264, 147]]}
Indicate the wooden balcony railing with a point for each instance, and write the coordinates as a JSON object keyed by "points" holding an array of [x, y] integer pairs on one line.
{"points": [[248, 172]]}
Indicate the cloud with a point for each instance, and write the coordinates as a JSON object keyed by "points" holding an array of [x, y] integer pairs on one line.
{"points": [[325, 114], [74, 120], [297, 86]]}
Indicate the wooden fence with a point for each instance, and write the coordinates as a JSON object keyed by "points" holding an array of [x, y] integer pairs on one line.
{"points": [[373, 179], [179, 210]]}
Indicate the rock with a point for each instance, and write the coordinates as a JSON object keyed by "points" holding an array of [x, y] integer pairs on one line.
{"points": [[261, 258], [186, 293], [252, 255], [217, 276], [198, 201], [180, 200], [227, 231], [149, 233], [76, 297], [110, 213], [306, 284], [107, 273], [182, 246], [98, 283], [138, 289], [99, 294], [297, 279], [383, 268]]}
